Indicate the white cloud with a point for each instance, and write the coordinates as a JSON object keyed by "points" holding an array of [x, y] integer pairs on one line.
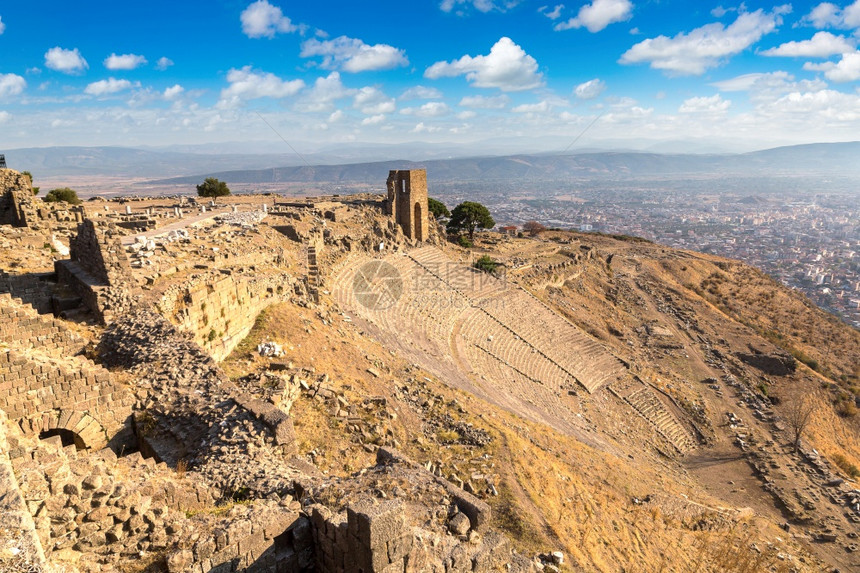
{"points": [[719, 11], [507, 67], [4, 116], [469, 114], [2, 27], [420, 92], [429, 109], [598, 15], [353, 55], [828, 105], [163, 63], [246, 84], [124, 62], [373, 119], [821, 45], [323, 94], [553, 14], [846, 70], [11, 84], [481, 102], [336, 115], [173, 92], [421, 128], [694, 52], [66, 61], [262, 20], [372, 101], [540, 107], [590, 89], [828, 15], [108, 86], [479, 5], [710, 105]]}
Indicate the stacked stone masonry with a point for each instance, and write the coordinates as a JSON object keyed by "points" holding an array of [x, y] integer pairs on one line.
{"points": [[44, 386]]}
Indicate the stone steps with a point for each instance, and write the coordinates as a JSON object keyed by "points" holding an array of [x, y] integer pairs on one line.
{"points": [[646, 402]]}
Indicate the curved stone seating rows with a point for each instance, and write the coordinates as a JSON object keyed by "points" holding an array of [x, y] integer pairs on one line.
{"points": [[652, 409]]}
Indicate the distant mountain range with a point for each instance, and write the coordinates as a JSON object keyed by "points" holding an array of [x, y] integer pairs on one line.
{"points": [[184, 166]]}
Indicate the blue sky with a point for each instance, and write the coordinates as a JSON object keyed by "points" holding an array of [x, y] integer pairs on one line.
{"points": [[734, 76]]}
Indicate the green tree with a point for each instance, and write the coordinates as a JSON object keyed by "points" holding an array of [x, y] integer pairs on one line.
{"points": [[63, 194], [29, 176], [468, 216], [438, 208], [487, 264], [211, 187]]}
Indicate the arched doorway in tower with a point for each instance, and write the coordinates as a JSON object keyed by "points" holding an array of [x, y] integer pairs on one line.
{"points": [[416, 223]]}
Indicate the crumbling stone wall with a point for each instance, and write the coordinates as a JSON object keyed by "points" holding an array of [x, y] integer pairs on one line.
{"points": [[219, 311], [16, 199], [98, 271], [43, 386]]}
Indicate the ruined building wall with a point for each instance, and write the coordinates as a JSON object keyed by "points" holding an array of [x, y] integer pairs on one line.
{"points": [[407, 202], [98, 271], [44, 386], [219, 311], [16, 197]]}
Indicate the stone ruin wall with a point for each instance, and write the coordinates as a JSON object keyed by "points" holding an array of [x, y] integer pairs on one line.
{"points": [[44, 386], [19, 207], [99, 270], [219, 311]]}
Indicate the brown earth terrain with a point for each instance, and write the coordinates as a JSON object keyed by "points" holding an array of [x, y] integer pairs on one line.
{"points": [[631, 406]]}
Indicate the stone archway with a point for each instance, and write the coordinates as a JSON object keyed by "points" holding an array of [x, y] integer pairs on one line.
{"points": [[417, 223], [82, 429]]}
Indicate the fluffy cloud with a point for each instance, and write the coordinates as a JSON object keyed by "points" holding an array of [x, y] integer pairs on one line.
{"points": [[11, 85], [507, 67], [694, 52], [353, 55], [108, 86], [481, 102], [421, 92], [66, 61], [262, 20], [821, 45], [429, 109], [827, 15], [124, 62], [846, 70], [711, 105], [598, 15], [372, 101], [479, 5], [247, 84], [590, 89], [173, 92], [4, 116], [421, 128], [373, 119], [827, 105], [553, 14], [323, 94], [2, 26], [163, 63], [540, 107]]}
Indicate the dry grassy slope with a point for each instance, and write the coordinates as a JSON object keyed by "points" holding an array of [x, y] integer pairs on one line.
{"points": [[555, 492]]}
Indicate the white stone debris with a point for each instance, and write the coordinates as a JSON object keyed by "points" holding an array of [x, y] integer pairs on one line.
{"points": [[270, 349]]}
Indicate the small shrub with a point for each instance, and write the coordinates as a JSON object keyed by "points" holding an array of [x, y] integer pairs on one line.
{"points": [[212, 335], [486, 264], [63, 194], [850, 469], [464, 242]]}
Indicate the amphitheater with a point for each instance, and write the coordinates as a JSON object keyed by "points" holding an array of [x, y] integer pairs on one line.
{"points": [[490, 337]]}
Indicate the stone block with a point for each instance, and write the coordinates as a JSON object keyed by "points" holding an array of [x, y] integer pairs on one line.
{"points": [[376, 524]]}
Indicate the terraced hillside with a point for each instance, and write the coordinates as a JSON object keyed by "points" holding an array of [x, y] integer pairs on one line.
{"points": [[491, 338]]}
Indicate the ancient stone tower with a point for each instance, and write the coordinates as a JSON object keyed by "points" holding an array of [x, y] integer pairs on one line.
{"points": [[407, 202]]}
